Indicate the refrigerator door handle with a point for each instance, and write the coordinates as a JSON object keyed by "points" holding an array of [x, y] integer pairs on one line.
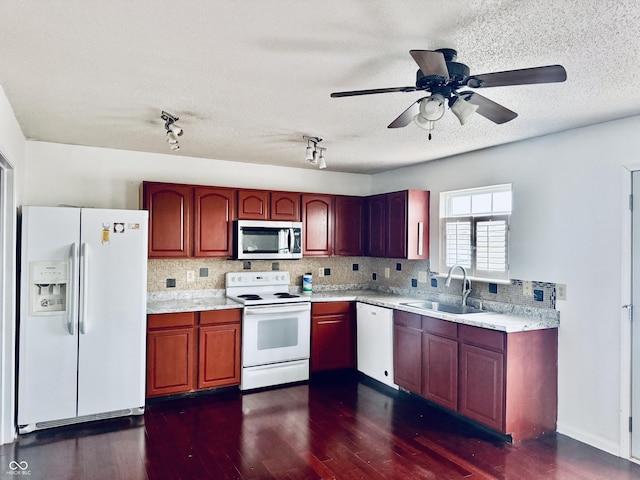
{"points": [[72, 316], [84, 288]]}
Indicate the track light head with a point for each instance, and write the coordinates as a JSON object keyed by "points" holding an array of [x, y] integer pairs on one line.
{"points": [[314, 154], [173, 130]]}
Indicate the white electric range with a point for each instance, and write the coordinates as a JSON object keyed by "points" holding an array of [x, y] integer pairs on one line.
{"points": [[276, 328]]}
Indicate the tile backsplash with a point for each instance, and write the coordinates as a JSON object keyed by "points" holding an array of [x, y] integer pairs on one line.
{"points": [[406, 277]]}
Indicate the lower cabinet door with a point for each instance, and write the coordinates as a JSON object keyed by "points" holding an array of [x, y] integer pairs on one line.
{"points": [[219, 355], [332, 342], [440, 370], [482, 396], [171, 361], [407, 358]]}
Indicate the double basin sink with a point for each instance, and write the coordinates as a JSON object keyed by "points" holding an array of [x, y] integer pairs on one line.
{"points": [[443, 307]]}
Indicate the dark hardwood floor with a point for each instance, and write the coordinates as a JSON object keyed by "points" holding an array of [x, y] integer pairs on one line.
{"points": [[339, 427]]}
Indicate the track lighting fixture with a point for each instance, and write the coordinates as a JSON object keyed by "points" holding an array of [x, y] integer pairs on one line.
{"points": [[173, 130], [314, 154]]}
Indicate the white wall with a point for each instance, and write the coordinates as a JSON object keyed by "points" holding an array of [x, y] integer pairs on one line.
{"points": [[106, 178], [12, 153], [566, 228]]}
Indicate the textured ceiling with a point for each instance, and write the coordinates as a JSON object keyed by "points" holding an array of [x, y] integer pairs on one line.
{"points": [[248, 79]]}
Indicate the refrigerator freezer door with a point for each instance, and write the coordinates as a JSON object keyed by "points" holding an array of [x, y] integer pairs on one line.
{"points": [[47, 363], [112, 340]]}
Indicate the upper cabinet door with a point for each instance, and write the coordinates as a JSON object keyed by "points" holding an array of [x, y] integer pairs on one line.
{"points": [[317, 219], [417, 225], [348, 226], [170, 216], [396, 225], [214, 213], [253, 204], [375, 215], [285, 206]]}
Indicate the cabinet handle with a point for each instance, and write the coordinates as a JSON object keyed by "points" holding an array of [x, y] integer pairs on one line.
{"points": [[420, 237]]}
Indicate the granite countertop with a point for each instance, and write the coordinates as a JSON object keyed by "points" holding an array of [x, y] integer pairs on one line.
{"points": [[215, 300]]}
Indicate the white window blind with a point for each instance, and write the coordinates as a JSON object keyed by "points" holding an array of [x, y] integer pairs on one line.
{"points": [[475, 231]]}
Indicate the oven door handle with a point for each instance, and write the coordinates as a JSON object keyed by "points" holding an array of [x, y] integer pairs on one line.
{"points": [[261, 310]]}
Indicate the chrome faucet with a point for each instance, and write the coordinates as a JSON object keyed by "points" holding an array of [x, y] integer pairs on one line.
{"points": [[465, 291]]}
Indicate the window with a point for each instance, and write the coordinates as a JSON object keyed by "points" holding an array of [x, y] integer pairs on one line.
{"points": [[474, 229]]}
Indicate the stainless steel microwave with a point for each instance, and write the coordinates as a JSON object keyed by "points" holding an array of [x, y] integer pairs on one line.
{"points": [[265, 240]]}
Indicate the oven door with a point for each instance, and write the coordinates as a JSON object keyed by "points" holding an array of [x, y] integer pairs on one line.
{"points": [[276, 333]]}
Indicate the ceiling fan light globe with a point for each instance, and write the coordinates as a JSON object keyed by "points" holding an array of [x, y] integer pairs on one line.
{"points": [[423, 122], [432, 108], [463, 109]]}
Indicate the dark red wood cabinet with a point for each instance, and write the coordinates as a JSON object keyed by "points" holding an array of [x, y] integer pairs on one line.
{"points": [[317, 219], [170, 218], [214, 214], [267, 205], [397, 225], [348, 214], [375, 216], [285, 206], [332, 336], [440, 362], [219, 348], [171, 353], [407, 350], [506, 381], [185, 354], [253, 205]]}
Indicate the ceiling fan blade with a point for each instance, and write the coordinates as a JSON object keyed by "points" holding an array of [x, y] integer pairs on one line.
{"points": [[525, 76], [353, 93], [488, 108], [430, 62], [406, 117]]}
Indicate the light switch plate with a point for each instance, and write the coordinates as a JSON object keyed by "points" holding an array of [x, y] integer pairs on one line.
{"points": [[527, 288], [321, 272], [191, 276], [387, 272], [422, 277]]}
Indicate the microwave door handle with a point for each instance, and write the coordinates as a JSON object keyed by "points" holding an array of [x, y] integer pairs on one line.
{"points": [[291, 240]]}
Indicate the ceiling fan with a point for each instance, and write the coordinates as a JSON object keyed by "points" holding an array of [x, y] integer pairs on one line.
{"points": [[442, 77]]}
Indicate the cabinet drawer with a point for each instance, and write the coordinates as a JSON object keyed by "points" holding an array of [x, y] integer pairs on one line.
{"points": [[407, 319], [440, 327], [168, 320], [482, 337], [327, 308], [209, 317]]}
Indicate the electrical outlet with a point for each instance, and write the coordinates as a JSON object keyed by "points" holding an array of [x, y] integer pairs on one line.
{"points": [[191, 276], [321, 272], [422, 277], [527, 288], [387, 272], [561, 291]]}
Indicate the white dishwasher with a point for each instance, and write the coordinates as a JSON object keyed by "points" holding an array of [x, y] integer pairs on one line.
{"points": [[375, 342]]}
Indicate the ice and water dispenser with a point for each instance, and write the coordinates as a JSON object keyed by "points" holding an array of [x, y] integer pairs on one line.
{"points": [[49, 285]]}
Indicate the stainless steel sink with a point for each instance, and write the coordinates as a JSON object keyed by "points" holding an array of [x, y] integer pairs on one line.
{"points": [[443, 307]]}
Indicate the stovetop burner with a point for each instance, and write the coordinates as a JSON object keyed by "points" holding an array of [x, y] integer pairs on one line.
{"points": [[286, 295], [250, 296]]}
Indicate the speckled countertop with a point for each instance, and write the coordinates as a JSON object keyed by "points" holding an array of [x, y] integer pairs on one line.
{"points": [[193, 301]]}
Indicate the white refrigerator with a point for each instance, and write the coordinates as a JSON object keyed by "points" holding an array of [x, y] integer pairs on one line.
{"points": [[82, 323]]}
